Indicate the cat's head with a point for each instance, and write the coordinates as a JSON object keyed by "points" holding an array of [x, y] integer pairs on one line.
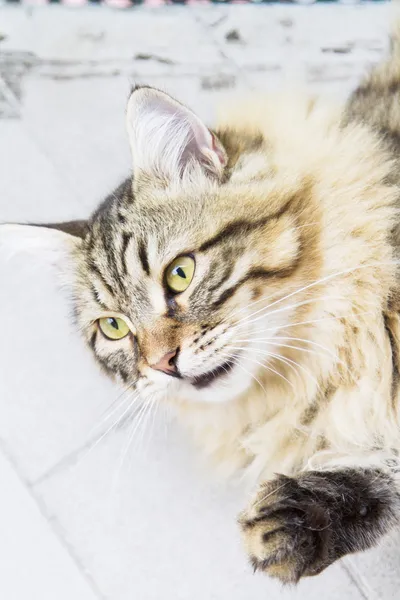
{"points": [[180, 276]]}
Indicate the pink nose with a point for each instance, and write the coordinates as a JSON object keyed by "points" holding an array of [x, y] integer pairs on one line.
{"points": [[166, 364]]}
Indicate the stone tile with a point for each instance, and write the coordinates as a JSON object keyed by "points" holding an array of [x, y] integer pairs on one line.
{"points": [[34, 562], [107, 35], [88, 144], [51, 392], [162, 528], [81, 125], [378, 570], [280, 39], [31, 186]]}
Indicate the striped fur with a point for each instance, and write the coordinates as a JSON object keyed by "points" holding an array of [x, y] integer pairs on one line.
{"points": [[288, 336]]}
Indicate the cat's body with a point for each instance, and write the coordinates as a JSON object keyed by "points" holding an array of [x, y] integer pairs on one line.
{"points": [[249, 277], [327, 416]]}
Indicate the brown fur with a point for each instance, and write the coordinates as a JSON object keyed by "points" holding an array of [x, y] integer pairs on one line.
{"points": [[290, 210]]}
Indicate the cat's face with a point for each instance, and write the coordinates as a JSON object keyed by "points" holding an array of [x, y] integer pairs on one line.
{"points": [[177, 270], [181, 276]]}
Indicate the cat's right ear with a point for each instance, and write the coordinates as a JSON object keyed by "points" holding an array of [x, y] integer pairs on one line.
{"points": [[52, 241], [168, 141]]}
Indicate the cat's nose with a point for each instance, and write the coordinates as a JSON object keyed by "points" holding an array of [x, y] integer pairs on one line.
{"points": [[167, 363]]}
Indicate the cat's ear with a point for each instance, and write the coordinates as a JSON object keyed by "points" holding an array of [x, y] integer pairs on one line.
{"points": [[52, 241], [168, 140]]}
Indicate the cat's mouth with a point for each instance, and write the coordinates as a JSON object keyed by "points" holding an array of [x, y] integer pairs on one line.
{"points": [[206, 379]]}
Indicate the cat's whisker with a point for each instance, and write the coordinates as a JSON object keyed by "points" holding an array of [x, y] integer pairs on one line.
{"points": [[313, 284], [289, 362], [311, 321], [249, 320], [266, 367], [266, 313], [138, 431], [134, 428], [273, 342], [154, 413], [142, 428], [150, 424], [274, 491], [111, 410], [225, 385], [235, 360], [115, 401], [167, 417], [129, 388], [283, 360], [125, 450], [293, 363], [263, 299], [104, 434], [304, 340]]}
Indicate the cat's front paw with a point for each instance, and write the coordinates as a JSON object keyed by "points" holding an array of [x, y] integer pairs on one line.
{"points": [[297, 527], [287, 534]]}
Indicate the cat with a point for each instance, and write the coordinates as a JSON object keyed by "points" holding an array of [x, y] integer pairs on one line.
{"points": [[248, 276]]}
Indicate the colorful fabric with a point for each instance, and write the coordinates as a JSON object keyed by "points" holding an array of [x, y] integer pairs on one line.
{"points": [[128, 3]]}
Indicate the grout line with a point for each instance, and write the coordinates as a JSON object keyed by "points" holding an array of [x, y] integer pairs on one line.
{"points": [[83, 448], [53, 524], [66, 461], [358, 579]]}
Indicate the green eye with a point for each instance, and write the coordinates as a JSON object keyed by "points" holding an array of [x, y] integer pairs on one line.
{"points": [[113, 328], [180, 273]]}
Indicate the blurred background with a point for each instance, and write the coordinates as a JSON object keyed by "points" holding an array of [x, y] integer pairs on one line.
{"points": [[82, 515]]}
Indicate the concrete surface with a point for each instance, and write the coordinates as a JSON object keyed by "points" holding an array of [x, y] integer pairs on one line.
{"points": [[74, 523]]}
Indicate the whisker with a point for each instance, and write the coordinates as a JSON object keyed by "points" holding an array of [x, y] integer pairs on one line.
{"points": [[368, 312], [289, 362], [272, 341], [274, 491], [285, 308], [152, 420], [313, 284], [113, 411], [124, 452], [167, 417], [249, 319], [113, 426], [142, 428], [269, 369], [238, 364]]}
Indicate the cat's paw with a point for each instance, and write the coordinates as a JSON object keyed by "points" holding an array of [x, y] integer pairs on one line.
{"points": [[297, 527], [287, 532]]}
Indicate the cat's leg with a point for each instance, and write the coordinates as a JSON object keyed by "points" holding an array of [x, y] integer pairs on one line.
{"points": [[298, 526]]}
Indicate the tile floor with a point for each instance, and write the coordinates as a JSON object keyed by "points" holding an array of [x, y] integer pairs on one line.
{"points": [[73, 524]]}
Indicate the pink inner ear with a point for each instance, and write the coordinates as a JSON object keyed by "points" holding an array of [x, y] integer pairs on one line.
{"points": [[216, 148], [168, 137]]}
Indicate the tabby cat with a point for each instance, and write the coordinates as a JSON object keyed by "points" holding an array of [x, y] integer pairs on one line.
{"points": [[248, 276]]}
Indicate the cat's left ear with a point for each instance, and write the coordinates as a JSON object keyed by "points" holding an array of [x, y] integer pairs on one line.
{"points": [[168, 140], [52, 241]]}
